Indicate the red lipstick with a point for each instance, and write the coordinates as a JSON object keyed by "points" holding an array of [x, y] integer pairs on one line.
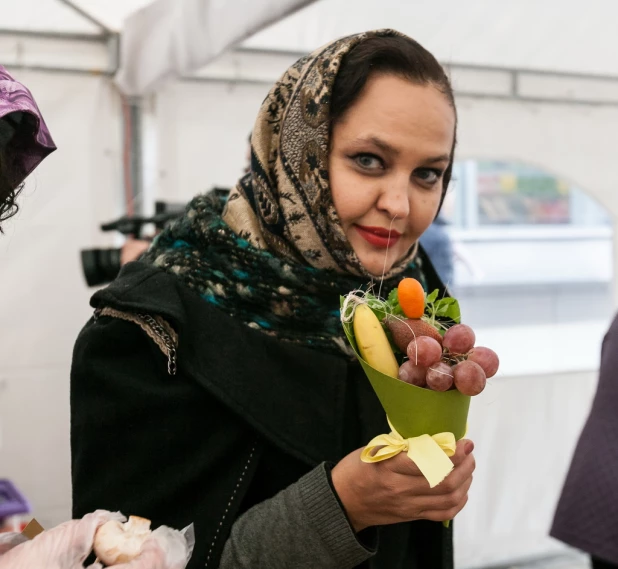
{"points": [[378, 236]]}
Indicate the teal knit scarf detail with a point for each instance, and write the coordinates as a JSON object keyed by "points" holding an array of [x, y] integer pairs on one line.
{"points": [[294, 302]]}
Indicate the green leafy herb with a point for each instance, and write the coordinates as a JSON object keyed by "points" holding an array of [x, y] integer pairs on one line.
{"points": [[439, 309], [430, 298], [393, 297], [448, 308], [393, 303]]}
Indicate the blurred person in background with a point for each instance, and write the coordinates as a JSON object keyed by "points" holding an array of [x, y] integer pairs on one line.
{"points": [[24, 142], [132, 249], [439, 248], [587, 513]]}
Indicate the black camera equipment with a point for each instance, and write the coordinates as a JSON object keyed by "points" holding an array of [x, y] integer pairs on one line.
{"points": [[101, 266]]}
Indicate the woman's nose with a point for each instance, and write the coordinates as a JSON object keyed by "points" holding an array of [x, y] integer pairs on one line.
{"points": [[394, 199]]}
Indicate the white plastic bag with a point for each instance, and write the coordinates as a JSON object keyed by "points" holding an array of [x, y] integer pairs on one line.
{"points": [[165, 549], [10, 540], [68, 545]]}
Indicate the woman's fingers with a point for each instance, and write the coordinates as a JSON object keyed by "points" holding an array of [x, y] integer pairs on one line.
{"points": [[463, 449], [447, 506], [457, 477], [443, 515], [412, 506], [401, 464], [441, 502], [413, 479]]}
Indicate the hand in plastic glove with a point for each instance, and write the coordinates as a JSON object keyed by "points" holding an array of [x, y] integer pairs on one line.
{"points": [[68, 545], [10, 540], [63, 547]]}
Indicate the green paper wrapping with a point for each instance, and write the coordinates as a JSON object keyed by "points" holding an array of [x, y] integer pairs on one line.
{"points": [[412, 410]]}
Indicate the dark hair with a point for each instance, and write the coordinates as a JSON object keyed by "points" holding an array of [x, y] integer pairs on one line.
{"points": [[391, 55], [8, 190], [12, 165]]}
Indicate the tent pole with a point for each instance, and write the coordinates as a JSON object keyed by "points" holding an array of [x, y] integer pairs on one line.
{"points": [[58, 69], [71, 36], [88, 17], [24, 37], [135, 149]]}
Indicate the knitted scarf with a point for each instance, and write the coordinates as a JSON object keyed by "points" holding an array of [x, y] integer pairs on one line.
{"points": [[293, 301], [274, 254]]}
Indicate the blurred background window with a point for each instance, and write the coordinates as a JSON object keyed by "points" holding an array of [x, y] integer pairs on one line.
{"points": [[532, 260]]}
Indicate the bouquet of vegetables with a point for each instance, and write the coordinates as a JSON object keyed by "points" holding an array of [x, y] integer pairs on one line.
{"points": [[424, 367]]}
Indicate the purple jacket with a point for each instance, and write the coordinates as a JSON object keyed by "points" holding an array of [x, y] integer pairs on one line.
{"points": [[587, 513], [23, 132]]}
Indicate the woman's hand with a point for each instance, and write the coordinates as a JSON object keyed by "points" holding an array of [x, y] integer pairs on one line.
{"points": [[394, 490]]}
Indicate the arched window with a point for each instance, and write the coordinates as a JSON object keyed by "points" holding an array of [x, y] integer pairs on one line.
{"points": [[532, 265]]}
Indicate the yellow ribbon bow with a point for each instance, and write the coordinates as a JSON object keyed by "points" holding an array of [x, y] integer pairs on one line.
{"points": [[430, 453]]}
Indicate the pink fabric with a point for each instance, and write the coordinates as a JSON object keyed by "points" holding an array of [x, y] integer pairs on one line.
{"points": [[31, 141]]}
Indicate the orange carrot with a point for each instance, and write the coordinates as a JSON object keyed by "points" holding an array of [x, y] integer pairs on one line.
{"points": [[411, 298]]}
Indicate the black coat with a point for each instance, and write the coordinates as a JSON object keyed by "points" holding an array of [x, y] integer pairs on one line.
{"points": [[244, 417], [587, 512]]}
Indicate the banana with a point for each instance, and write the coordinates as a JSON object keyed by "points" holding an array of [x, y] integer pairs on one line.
{"points": [[372, 342]]}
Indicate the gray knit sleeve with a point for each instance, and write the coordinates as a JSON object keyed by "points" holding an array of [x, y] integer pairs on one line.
{"points": [[303, 527]]}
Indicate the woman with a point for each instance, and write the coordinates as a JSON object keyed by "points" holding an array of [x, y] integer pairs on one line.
{"points": [[24, 140], [214, 384], [587, 513]]}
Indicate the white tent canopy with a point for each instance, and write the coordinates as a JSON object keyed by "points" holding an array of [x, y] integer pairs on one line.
{"points": [[160, 38], [558, 36], [177, 38], [555, 35], [552, 35], [73, 17]]}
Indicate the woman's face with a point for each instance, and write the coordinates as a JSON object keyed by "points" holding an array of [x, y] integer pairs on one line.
{"points": [[387, 160]]}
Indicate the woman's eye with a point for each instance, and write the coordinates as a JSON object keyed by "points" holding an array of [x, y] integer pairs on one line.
{"points": [[369, 161], [429, 175]]}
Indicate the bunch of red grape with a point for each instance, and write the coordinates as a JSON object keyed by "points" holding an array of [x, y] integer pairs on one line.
{"points": [[455, 364]]}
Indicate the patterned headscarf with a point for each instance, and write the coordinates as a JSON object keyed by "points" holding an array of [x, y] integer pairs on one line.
{"points": [[23, 132], [276, 257], [285, 203]]}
